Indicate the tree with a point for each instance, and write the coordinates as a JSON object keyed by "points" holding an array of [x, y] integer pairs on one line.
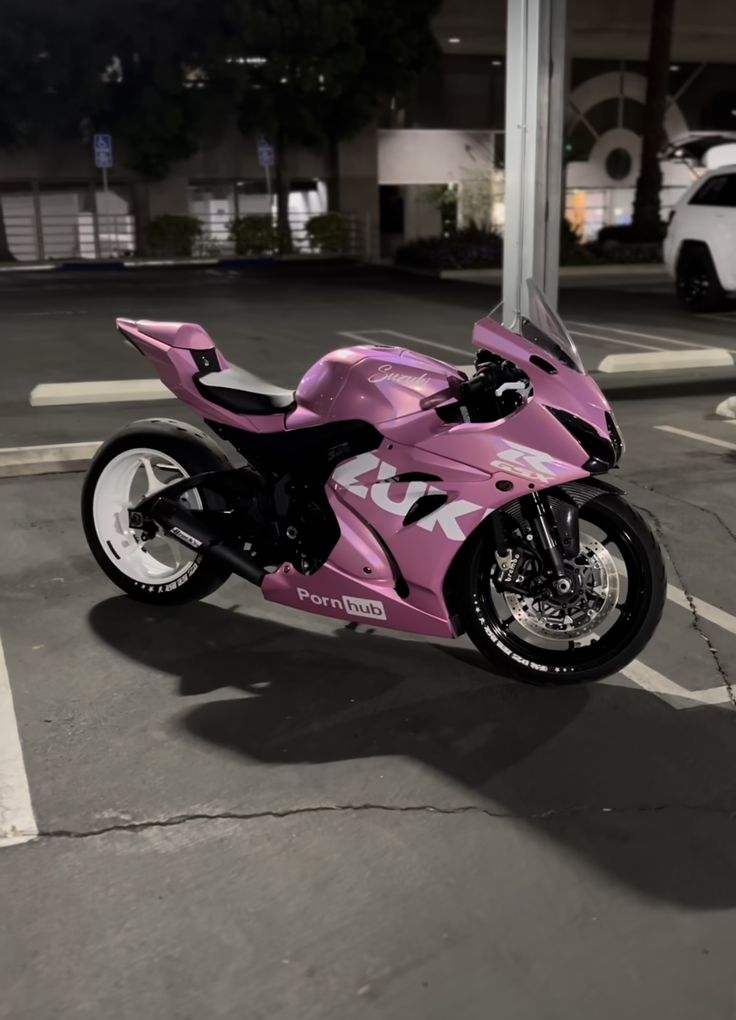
{"points": [[275, 56], [646, 216], [396, 45], [131, 69], [310, 73], [49, 75], [158, 104]]}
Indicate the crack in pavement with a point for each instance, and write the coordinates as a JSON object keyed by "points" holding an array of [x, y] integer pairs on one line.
{"points": [[203, 816], [687, 503], [696, 621]]}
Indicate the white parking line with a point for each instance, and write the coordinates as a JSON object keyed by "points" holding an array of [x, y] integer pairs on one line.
{"points": [[17, 821], [357, 335], [656, 683], [718, 616], [611, 340], [696, 435], [643, 336], [730, 319]]}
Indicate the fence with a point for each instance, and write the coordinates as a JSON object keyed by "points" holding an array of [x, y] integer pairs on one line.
{"points": [[33, 238], [215, 239], [38, 234]]}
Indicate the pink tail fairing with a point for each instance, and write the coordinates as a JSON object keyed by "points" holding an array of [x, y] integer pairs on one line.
{"points": [[389, 569], [171, 346]]}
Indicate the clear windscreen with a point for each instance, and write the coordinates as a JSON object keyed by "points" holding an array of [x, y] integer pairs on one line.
{"points": [[543, 328]]}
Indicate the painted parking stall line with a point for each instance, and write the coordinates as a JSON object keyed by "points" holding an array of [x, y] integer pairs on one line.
{"points": [[617, 342], [658, 338], [17, 821], [360, 336], [648, 679], [697, 436]]}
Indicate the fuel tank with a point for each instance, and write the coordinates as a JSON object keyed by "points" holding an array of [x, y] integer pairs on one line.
{"points": [[368, 383]]}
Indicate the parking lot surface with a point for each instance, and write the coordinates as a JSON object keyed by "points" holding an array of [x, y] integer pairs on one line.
{"points": [[248, 812]]}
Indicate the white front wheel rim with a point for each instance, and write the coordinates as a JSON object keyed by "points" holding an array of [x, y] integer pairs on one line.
{"points": [[122, 483]]}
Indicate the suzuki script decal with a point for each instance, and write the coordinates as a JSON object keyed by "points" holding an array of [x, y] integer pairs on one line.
{"points": [[387, 373], [446, 518], [368, 609]]}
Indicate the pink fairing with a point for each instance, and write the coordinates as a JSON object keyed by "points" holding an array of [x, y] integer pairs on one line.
{"points": [[382, 571]]}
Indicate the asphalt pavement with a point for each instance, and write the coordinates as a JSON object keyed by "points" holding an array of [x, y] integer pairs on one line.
{"points": [[248, 812]]}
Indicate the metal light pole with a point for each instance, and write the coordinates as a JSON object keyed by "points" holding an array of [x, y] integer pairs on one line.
{"points": [[535, 96]]}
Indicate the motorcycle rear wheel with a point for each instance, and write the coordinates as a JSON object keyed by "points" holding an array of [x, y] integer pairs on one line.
{"points": [[134, 462], [519, 641]]}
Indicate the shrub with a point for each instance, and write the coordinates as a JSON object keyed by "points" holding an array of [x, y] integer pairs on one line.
{"points": [[470, 248], [629, 233], [171, 236], [254, 235], [572, 250], [327, 233]]}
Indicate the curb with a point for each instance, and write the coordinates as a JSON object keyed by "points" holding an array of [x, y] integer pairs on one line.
{"points": [[665, 361], [112, 392], [43, 460], [232, 262]]}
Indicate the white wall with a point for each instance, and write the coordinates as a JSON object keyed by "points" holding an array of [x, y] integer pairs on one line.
{"points": [[417, 156]]}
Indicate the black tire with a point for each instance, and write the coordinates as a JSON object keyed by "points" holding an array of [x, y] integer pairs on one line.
{"points": [[195, 452], [510, 655], [696, 280]]}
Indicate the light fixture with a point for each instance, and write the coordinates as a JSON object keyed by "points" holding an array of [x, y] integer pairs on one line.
{"points": [[496, 63], [454, 40], [674, 67]]}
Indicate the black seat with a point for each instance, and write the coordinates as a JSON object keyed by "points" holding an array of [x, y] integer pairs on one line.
{"points": [[240, 391]]}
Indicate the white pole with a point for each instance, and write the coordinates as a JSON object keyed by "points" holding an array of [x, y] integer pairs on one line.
{"points": [[535, 66]]}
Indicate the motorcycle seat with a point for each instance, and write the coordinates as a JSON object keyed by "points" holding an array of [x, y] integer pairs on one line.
{"points": [[240, 391]]}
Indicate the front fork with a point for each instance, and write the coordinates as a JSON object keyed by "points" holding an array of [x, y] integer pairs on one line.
{"points": [[552, 527]]}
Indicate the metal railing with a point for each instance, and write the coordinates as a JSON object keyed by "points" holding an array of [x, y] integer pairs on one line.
{"points": [[49, 236], [216, 239], [59, 236]]}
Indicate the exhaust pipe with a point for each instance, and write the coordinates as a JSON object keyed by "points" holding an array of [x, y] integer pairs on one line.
{"points": [[184, 526]]}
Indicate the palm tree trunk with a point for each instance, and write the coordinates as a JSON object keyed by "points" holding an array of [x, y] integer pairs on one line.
{"points": [[649, 184], [333, 174], [281, 180]]}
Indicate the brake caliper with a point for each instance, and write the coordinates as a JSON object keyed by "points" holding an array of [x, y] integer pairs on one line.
{"points": [[517, 569]]}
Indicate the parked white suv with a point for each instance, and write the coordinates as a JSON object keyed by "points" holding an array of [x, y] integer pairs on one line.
{"points": [[700, 247]]}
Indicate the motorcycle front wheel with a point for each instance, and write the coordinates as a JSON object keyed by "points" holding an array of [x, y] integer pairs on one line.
{"points": [[620, 591]]}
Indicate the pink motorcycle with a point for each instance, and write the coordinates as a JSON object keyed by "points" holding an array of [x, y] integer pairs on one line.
{"points": [[392, 490]]}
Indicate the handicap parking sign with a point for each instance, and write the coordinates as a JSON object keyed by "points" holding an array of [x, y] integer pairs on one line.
{"points": [[265, 153], [103, 151]]}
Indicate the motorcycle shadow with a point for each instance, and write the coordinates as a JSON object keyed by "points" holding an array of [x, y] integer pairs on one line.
{"points": [[618, 777]]}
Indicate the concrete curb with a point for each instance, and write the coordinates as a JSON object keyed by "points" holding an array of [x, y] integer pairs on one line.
{"points": [[42, 460], [654, 361], [727, 408], [232, 262], [105, 392]]}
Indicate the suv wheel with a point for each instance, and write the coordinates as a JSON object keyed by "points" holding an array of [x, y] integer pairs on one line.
{"points": [[696, 281]]}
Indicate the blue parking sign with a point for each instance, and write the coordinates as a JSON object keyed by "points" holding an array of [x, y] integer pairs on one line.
{"points": [[265, 153], [103, 151]]}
